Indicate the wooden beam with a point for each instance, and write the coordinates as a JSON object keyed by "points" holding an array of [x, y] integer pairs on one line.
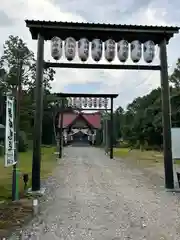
{"points": [[102, 66]]}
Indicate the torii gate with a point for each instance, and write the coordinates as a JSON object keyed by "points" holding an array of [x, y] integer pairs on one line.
{"points": [[46, 30]]}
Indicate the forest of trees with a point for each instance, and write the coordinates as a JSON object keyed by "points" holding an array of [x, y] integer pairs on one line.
{"points": [[139, 125], [16, 51]]}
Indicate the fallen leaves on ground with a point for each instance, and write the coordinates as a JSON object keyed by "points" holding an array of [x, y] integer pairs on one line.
{"points": [[13, 215]]}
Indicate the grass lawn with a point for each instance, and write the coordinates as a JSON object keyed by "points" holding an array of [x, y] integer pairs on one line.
{"points": [[14, 215], [149, 162], [141, 157], [177, 161], [25, 165]]}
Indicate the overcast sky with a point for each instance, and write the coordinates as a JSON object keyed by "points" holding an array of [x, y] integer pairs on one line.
{"points": [[129, 84]]}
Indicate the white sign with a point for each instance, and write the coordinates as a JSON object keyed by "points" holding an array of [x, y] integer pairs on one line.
{"points": [[9, 140], [175, 136]]}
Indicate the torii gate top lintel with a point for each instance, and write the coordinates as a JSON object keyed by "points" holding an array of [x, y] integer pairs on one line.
{"points": [[94, 95], [50, 29]]}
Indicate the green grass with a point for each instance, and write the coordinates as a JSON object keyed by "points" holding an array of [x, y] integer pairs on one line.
{"points": [[24, 166], [121, 152], [177, 161], [141, 157], [145, 156]]}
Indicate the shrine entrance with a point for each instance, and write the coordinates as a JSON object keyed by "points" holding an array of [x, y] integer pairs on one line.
{"points": [[80, 125], [115, 37], [80, 138]]}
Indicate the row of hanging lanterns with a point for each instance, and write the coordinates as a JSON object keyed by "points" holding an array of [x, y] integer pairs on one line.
{"points": [[136, 49], [88, 102]]}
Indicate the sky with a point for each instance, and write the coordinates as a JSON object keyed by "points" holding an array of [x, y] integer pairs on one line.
{"points": [[128, 84]]}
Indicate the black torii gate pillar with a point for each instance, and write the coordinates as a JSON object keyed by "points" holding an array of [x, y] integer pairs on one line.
{"points": [[36, 161], [166, 117]]}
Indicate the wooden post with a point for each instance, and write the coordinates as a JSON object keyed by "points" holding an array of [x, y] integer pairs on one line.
{"points": [[111, 132], [36, 161], [166, 118]]}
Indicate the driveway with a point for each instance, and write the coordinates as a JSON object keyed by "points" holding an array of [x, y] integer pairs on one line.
{"points": [[93, 197]]}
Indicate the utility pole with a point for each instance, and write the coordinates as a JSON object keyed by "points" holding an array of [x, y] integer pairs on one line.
{"points": [[61, 129], [112, 130], [15, 195]]}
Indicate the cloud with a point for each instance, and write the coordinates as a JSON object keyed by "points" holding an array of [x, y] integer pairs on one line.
{"points": [[5, 21], [129, 84], [104, 10]]}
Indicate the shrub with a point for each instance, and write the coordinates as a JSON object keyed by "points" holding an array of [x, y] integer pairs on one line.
{"points": [[124, 144], [99, 138], [23, 143], [1, 150]]}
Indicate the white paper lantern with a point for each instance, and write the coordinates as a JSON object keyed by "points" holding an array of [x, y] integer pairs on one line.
{"points": [[83, 49], [123, 50], [70, 102], [105, 102], [100, 102], [77, 102], [136, 51], [70, 48], [110, 50], [74, 102], [80, 102], [85, 102], [56, 48], [96, 49], [148, 51], [95, 102], [90, 102]]}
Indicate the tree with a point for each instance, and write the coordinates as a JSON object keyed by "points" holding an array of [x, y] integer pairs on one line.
{"points": [[48, 76], [142, 121], [118, 123], [174, 78], [15, 52], [17, 57]]}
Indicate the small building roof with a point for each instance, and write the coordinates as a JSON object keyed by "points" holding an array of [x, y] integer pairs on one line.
{"points": [[68, 118], [94, 119]]}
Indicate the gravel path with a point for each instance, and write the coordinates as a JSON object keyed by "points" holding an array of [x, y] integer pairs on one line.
{"points": [[93, 197]]}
